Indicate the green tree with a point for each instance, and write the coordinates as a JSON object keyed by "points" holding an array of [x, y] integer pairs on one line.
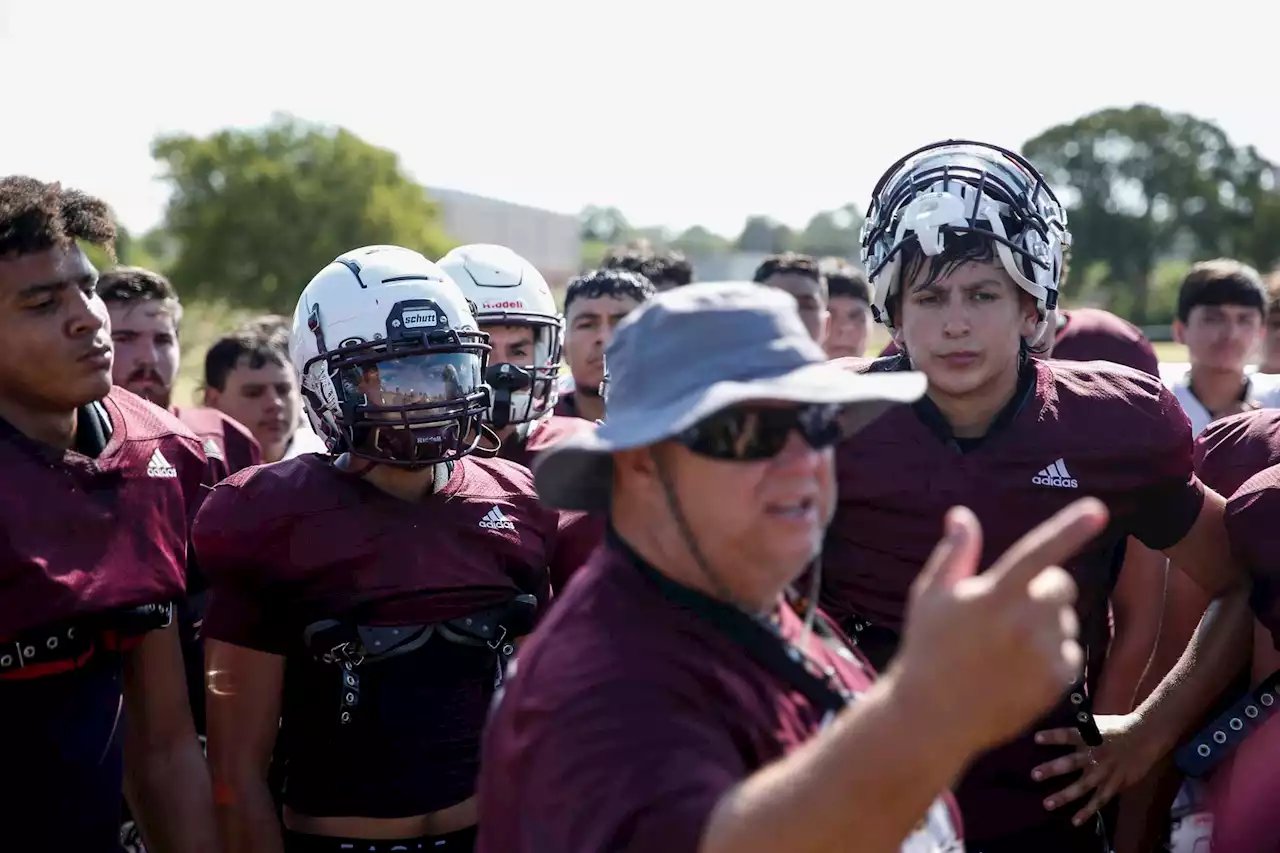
{"points": [[1143, 185], [603, 224], [832, 232], [763, 234], [698, 240], [253, 214]]}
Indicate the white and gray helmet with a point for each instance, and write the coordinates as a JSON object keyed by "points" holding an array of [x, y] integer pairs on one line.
{"points": [[959, 187]]}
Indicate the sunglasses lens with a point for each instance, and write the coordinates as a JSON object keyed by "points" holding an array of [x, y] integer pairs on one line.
{"points": [[752, 434]]}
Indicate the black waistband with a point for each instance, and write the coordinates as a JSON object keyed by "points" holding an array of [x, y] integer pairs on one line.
{"points": [[757, 637], [301, 842]]}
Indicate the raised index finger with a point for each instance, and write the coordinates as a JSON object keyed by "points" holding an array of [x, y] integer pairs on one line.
{"points": [[1050, 543]]}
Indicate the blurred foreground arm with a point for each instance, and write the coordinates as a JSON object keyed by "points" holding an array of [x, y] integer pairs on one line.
{"points": [[1005, 640]]}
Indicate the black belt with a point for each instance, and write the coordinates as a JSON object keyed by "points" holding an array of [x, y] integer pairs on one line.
{"points": [[1216, 741], [62, 648]]}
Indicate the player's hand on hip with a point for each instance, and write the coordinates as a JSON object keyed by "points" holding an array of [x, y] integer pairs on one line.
{"points": [[998, 648], [1122, 760]]}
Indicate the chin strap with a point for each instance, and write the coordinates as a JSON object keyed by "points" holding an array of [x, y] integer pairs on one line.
{"points": [[487, 432]]}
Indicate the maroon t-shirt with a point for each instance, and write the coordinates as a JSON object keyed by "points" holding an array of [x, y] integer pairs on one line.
{"points": [[1077, 429], [1252, 516], [80, 535], [1091, 334], [228, 445], [1232, 449], [289, 544], [630, 715], [580, 532]]}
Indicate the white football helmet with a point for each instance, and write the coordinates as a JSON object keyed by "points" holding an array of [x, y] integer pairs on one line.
{"points": [[507, 290], [959, 187], [390, 359]]}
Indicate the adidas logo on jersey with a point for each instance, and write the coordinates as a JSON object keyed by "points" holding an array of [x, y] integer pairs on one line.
{"points": [[160, 467], [1055, 475], [213, 451], [495, 520]]}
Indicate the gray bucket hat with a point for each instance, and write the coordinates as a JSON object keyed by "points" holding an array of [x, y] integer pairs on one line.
{"points": [[691, 352]]}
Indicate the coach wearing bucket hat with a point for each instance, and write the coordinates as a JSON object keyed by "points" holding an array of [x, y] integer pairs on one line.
{"points": [[678, 697]]}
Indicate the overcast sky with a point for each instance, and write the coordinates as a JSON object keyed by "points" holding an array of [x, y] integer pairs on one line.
{"points": [[676, 112]]}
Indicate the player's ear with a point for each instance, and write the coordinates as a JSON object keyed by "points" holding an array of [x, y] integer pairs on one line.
{"points": [[209, 397], [1179, 332]]}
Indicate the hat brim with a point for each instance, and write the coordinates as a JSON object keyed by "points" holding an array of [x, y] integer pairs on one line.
{"points": [[576, 473]]}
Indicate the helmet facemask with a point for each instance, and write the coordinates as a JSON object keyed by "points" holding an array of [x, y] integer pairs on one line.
{"points": [[413, 399], [523, 393], [956, 188]]}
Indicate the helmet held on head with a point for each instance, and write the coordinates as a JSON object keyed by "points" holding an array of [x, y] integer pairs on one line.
{"points": [[390, 359], [958, 187], [507, 290]]}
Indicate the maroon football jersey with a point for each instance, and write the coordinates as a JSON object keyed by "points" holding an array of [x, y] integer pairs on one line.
{"points": [[627, 718], [1252, 514], [580, 532], [1073, 429], [82, 536], [542, 433], [1091, 334], [228, 445], [287, 545], [1233, 449]]}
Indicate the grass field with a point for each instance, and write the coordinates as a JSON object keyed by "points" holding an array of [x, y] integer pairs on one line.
{"points": [[204, 323]]}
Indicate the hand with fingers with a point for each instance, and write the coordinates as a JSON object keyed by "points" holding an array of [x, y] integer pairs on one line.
{"points": [[996, 649], [1122, 760]]}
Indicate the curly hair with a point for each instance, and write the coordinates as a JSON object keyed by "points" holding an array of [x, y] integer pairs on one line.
{"points": [[36, 217], [666, 269], [608, 282]]}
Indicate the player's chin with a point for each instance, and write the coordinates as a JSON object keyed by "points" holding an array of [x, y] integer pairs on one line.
{"points": [[87, 388]]}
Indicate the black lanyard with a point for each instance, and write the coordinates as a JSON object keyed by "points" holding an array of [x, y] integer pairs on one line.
{"points": [[762, 643]]}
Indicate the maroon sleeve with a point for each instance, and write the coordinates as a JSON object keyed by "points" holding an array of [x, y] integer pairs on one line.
{"points": [[576, 539], [623, 767], [243, 450], [1169, 495], [890, 348], [1251, 520], [243, 606]]}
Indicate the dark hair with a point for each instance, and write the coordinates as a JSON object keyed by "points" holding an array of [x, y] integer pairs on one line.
{"points": [[257, 345], [666, 269], [608, 282], [270, 325], [1222, 281], [959, 249], [844, 279], [134, 285], [36, 217], [788, 262]]}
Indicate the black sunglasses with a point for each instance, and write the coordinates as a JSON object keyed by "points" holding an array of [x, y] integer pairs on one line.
{"points": [[754, 433]]}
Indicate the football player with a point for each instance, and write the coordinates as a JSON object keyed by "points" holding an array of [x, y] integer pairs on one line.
{"points": [[594, 303], [800, 276], [362, 603], [849, 309], [145, 318], [963, 245], [1246, 819], [515, 308], [93, 545], [248, 376], [1221, 319]]}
